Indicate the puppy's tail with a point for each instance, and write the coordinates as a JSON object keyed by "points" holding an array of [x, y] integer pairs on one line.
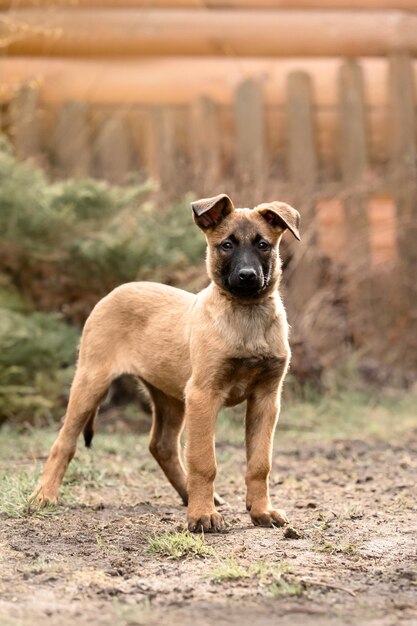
{"points": [[88, 432]]}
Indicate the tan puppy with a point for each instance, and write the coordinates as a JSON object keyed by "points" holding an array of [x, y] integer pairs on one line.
{"points": [[195, 354]]}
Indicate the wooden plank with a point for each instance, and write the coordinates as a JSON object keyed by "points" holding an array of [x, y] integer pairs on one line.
{"points": [[217, 4], [302, 152], [403, 174], [250, 159], [205, 145], [302, 173], [138, 122], [113, 153], [24, 121], [383, 228], [130, 32], [161, 153], [331, 228], [353, 164], [72, 140], [167, 149], [353, 144], [354, 158], [388, 339]]}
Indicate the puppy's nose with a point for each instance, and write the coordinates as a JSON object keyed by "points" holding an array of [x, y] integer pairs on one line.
{"points": [[247, 276]]}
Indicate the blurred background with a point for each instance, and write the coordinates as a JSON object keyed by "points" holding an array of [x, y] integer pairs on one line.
{"points": [[116, 113]]}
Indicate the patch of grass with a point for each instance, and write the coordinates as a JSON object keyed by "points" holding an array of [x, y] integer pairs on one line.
{"points": [[128, 615], [284, 587], [331, 548], [121, 443], [350, 414], [40, 565], [355, 512], [179, 545], [84, 471], [22, 450], [15, 492], [230, 427], [276, 578], [28, 443], [228, 570], [99, 540]]}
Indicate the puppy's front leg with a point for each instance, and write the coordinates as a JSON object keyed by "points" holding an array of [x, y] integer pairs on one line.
{"points": [[201, 409], [261, 418]]}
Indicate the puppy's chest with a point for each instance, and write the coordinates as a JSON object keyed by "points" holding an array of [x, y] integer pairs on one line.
{"points": [[249, 334], [252, 347], [241, 375]]}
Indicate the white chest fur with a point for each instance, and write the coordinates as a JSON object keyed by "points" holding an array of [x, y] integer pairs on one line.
{"points": [[258, 329]]}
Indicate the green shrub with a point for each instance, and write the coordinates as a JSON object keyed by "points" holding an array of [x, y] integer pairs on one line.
{"points": [[63, 245], [35, 342], [36, 364], [73, 241], [38, 214]]}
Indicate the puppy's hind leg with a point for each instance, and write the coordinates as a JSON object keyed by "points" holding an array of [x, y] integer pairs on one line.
{"points": [[164, 444], [88, 390], [167, 424]]}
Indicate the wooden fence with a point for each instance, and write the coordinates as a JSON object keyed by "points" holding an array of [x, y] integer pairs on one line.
{"points": [[309, 150], [350, 169], [205, 146]]}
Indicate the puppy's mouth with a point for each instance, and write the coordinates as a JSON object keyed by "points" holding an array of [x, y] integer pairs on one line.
{"points": [[245, 291]]}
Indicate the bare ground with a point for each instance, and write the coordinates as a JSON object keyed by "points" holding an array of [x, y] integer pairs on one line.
{"points": [[352, 500]]}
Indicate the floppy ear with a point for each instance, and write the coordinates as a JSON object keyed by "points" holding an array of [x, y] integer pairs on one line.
{"points": [[280, 215], [210, 212]]}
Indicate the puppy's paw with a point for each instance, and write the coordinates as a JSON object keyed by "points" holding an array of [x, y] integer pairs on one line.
{"points": [[41, 496], [209, 523], [269, 518]]}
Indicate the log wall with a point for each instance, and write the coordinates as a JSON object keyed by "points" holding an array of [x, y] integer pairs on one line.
{"points": [[193, 32]]}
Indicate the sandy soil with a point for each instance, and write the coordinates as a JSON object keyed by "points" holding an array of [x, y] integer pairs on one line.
{"points": [[352, 502]]}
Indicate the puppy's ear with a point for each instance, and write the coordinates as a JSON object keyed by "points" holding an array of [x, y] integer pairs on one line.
{"points": [[281, 216], [210, 212]]}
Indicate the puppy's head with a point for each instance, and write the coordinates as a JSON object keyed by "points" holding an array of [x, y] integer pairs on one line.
{"points": [[243, 257]]}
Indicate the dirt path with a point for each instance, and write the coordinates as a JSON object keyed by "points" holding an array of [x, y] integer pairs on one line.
{"points": [[353, 503]]}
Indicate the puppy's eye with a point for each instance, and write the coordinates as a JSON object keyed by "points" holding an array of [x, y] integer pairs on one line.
{"points": [[263, 245], [226, 245]]}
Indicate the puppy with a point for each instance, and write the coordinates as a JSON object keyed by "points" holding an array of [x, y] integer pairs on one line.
{"points": [[195, 354]]}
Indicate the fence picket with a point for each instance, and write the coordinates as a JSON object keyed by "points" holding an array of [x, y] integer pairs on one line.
{"points": [[303, 173], [353, 165], [302, 154], [205, 145], [72, 140], [250, 162], [113, 149], [403, 173], [24, 118]]}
